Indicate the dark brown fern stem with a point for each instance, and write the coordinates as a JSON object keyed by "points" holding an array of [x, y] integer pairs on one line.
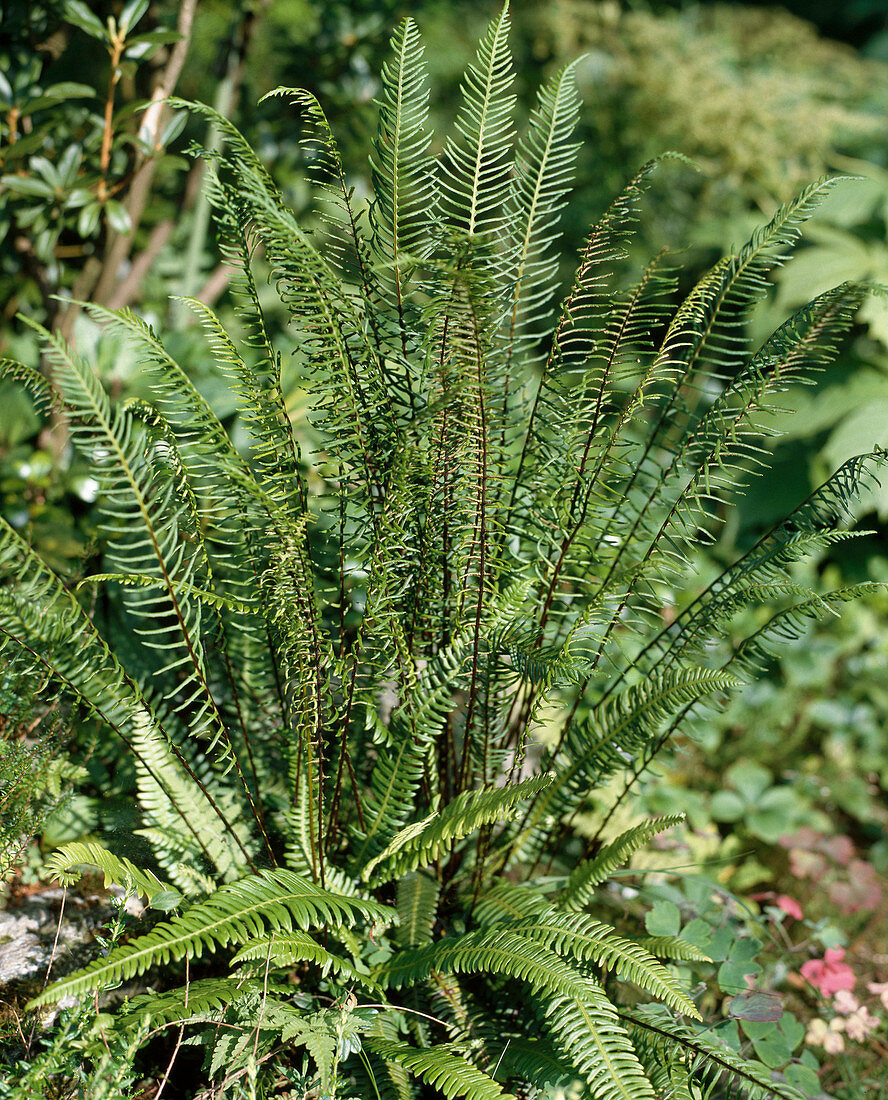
{"points": [[481, 528]]}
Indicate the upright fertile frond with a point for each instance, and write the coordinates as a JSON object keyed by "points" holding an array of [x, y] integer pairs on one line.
{"points": [[346, 244], [474, 175], [704, 333], [756, 652], [544, 167], [403, 170], [279, 489], [577, 347], [705, 338], [729, 432], [341, 354]]}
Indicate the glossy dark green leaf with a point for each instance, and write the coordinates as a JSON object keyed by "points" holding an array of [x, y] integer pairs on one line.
{"points": [[78, 13], [118, 217], [132, 13]]}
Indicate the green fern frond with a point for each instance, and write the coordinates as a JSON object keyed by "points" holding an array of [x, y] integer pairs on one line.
{"points": [[474, 176], [321, 1037], [589, 874], [587, 940], [284, 950], [417, 905], [41, 619], [146, 509], [532, 1059], [36, 383], [709, 1062], [578, 936], [235, 914], [499, 951], [167, 791], [811, 525], [508, 901], [202, 999], [599, 1049], [420, 844], [611, 738], [672, 947], [140, 580], [69, 863], [444, 1068], [758, 651]]}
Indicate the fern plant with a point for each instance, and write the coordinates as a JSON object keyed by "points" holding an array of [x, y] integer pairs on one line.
{"points": [[368, 686]]}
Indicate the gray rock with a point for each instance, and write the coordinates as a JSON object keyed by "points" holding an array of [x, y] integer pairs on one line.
{"points": [[28, 931]]}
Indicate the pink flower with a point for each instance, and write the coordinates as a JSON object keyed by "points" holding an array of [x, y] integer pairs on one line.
{"points": [[860, 1023], [881, 990], [789, 906], [845, 1002], [863, 889], [829, 974]]}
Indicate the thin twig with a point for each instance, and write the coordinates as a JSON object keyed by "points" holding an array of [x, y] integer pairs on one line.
{"points": [[178, 1044]]}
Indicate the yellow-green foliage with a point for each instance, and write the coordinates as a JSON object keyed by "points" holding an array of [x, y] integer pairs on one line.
{"points": [[755, 96]]}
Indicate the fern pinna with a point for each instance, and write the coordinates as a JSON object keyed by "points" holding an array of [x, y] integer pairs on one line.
{"points": [[369, 681]]}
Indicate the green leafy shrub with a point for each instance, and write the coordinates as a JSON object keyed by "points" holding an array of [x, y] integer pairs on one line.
{"points": [[34, 780], [367, 689], [753, 94]]}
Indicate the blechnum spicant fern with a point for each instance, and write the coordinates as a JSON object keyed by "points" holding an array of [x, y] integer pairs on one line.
{"points": [[383, 677]]}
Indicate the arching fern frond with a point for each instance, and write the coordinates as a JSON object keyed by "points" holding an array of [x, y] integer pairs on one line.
{"points": [[285, 950], [444, 1068], [496, 951], [599, 1047], [235, 914], [417, 907], [70, 862], [587, 875], [422, 843], [709, 1063]]}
